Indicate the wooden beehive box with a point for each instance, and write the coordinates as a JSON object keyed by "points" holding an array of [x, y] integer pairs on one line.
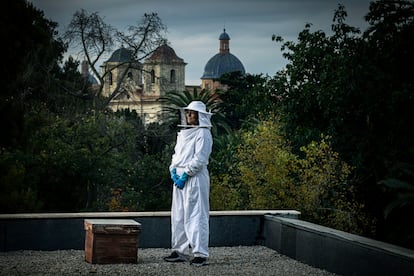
{"points": [[110, 241]]}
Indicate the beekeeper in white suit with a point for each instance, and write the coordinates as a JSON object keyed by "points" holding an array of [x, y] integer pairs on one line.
{"points": [[190, 201]]}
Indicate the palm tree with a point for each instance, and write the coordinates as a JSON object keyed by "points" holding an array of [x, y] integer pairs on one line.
{"points": [[176, 100]]}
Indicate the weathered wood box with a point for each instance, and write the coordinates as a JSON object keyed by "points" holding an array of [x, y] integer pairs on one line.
{"points": [[110, 241]]}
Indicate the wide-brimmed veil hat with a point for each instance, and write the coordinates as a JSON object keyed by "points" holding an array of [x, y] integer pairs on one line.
{"points": [[203, 115], [197, 106]]}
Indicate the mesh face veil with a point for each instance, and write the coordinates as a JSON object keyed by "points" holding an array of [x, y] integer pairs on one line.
{"points": [[204, 117]]}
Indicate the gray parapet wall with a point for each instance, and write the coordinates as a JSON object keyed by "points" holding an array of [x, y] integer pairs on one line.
{"points": [[61, 231], [318, 246], [336, 251]]}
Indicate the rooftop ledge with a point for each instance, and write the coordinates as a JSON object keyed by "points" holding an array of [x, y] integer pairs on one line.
{"points": [[280, 230], [289, 213]]}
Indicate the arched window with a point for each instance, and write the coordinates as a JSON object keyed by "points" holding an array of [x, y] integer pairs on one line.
{"points": [[152, 76], [110, 78], [172, 76]]}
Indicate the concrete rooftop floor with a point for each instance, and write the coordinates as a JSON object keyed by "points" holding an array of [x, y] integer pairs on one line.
{"points": [[239, 260]]}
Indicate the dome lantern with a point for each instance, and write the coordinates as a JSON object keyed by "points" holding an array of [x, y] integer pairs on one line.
{"points": [[224, 42], [223, 62]]}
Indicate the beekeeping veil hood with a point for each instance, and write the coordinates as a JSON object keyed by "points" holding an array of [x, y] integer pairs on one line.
{"points": [[204, 117]]}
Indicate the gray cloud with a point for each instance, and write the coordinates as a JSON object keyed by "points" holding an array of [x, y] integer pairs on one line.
{"points": [[194, 26]]}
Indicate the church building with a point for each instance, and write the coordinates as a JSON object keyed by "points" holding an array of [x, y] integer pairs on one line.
{"points": [[221, 63], [146, 83]]}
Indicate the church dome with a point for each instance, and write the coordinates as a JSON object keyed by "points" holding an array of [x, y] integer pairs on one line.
{"points": [[121, 55], [91, 79], [86, 75], [220, 64], [164, 54], [223, 62]]}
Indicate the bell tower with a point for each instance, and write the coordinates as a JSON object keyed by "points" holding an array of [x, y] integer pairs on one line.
{"points": [[164, 71]]}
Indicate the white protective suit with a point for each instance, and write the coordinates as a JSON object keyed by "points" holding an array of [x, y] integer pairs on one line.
{"points": [[190, 205]]}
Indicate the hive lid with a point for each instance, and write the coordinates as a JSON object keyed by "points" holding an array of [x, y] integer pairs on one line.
{"points": [[112, 225]]}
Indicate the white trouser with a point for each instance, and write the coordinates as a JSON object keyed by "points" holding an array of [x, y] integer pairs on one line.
{"points": [[190, 215]]}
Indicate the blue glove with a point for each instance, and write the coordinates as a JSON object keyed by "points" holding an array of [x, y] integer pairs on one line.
{"points": [[174, 175], [180, 182]]}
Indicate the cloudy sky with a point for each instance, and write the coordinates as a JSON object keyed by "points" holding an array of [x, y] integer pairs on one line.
{"points": [[194, 26]]}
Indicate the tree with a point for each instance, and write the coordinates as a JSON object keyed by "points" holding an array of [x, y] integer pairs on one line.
{"points": [[60, 153], [30, 62], [177, 99], [265, 164], [398, 211], [96, 39], [321, 84], [74, 158], [389, 44], [358, 90], [391, 84], [265, 174], [325, 192], [247, 96]]}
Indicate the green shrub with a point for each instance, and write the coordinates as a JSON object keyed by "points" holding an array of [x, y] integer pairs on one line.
{"points": [[267, 175], [324, 191]]}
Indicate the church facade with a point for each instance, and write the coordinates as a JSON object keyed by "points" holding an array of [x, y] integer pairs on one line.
{"points": [[145, 84]]}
